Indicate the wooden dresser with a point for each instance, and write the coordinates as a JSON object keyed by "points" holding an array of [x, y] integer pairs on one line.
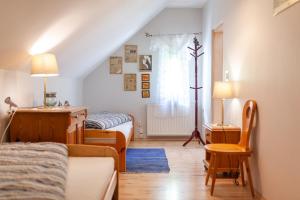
{"points": [[57, 124], [218, 134]]}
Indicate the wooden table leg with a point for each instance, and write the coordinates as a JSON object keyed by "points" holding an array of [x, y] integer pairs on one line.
{"points": [[215, 166], [212, 159]]}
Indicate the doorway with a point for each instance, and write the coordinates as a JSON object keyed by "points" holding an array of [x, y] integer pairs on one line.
{"points": [[217, 68]]}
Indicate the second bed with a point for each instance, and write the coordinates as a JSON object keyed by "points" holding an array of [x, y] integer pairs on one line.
{"points": [[110, 129]]}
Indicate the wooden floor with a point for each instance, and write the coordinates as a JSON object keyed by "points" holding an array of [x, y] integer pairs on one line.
{"points": [[185, 180]]}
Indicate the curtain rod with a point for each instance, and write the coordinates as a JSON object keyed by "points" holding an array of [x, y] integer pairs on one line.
{"points": [[148, 35]]}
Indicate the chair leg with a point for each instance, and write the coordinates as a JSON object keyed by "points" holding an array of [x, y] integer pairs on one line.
{"points": [[214, 174], [212, 159], [241, 163], [249, 176]]}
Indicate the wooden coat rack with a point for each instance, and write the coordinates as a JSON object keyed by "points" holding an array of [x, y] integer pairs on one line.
{"points": [[195, 53]]}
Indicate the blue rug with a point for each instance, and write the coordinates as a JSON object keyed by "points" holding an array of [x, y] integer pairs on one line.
{"points": [[146, 161]]}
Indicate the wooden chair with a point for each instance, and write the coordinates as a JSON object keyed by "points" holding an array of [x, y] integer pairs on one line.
{"points": [[242, 150]]}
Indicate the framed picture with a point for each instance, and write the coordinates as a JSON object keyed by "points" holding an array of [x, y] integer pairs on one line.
{"points": [[145, 93], [129, 82], [145, 63], [115, 65], [145, 77], [281, 5], [146, 85], [131, 53]]}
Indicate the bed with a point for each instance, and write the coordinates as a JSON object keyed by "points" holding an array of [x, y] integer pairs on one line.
{"points": [[55, 171], [84, 179], [110, 129]]}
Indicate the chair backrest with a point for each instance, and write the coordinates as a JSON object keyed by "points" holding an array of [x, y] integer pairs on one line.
{"points": [[249, 111]]}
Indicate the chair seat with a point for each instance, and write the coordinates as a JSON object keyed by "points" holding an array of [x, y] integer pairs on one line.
{"points": [[226, 148]]}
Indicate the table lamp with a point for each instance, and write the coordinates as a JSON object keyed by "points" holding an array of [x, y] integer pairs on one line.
{"points": [[44, 65], [222, 90]]}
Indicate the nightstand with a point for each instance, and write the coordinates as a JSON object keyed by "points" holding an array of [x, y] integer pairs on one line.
{"points": [[57, 124], [217, 134]]}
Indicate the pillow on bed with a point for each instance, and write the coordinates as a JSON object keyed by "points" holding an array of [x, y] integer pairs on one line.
{"points": [[105, 120]]}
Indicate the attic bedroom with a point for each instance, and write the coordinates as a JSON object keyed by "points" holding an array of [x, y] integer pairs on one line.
{"points": [[149, 99]]}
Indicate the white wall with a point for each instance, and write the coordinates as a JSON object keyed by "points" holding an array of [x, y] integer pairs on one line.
{"points": [[66, 89], [18, 86], [102, 91], [262, 54]]}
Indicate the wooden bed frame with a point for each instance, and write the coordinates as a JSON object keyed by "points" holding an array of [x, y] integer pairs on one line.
{"points": [[120, 141], [76, 150]]}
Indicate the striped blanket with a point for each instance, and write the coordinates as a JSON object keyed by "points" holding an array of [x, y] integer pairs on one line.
{"points": [[105, 120], [33, 171]]}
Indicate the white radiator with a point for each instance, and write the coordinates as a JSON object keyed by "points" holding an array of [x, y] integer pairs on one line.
{"points": [[159, 125]]}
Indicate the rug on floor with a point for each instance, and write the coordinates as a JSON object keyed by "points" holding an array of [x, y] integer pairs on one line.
{"points": [[146, 160]]}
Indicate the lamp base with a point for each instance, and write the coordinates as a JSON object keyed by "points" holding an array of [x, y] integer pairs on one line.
{"points": [[220, 124], [45, 91]]}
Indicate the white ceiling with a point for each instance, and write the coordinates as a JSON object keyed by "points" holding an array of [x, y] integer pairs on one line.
{"points": [[186, 3], [82, 34]]}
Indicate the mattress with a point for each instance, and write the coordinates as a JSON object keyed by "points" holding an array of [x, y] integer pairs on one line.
{"points": [[89, 178], [105, 120], [125, 128]]}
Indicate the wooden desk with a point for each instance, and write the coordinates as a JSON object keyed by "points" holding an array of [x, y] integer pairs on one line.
{"points": [[57, 124], [218, 134]]}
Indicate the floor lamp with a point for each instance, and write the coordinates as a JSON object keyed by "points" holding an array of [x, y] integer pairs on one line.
{"points": [[44, 65], [222, 90]]}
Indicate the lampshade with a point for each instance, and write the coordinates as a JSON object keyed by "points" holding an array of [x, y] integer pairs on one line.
{"points": [[44, 65], [222, 90]]}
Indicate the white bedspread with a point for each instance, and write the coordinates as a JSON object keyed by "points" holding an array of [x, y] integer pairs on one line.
{"points": [[89, 177]]}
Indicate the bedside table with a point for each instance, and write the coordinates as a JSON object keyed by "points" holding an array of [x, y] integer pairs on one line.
{"points": [[57, 124], [217, 134]]}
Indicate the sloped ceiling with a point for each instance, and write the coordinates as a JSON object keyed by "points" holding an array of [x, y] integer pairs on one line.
{"points": [[82, 33]]}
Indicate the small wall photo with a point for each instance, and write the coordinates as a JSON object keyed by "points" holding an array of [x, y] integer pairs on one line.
{"points": [[131, 53], [145, 63], [115, 65], [145, 77], [129, 82], [146, 85], [145, 93]]}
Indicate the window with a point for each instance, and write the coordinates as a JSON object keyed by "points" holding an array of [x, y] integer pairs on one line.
{"points": [[173, 72]]}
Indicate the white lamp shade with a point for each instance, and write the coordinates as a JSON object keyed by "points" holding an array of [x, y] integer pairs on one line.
{"points": [[44, 65], [222, 90]]}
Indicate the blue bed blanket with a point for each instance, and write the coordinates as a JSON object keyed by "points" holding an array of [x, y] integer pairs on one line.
{"points": [[106, 120]]}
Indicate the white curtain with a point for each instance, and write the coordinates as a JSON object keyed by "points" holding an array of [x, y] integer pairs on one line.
{"points": [[173, 73]]}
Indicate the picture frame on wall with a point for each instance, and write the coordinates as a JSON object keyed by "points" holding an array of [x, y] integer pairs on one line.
{"points": [[131, 53], [115, 65], [282, 5], [129, 82], [145, 77], [145, 62], [145, 93], [145, 85]]}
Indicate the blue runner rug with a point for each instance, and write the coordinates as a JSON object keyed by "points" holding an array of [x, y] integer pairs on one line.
{"points": [[146, 160]]}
